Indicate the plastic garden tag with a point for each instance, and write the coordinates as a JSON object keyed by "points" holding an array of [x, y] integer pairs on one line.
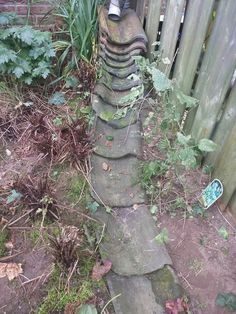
{"points": [[211, 193]]}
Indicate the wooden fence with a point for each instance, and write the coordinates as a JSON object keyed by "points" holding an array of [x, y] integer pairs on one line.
{"points": [[199, 39]]}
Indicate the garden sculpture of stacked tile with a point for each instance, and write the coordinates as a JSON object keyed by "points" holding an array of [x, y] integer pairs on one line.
{"points": [[141, 272]]}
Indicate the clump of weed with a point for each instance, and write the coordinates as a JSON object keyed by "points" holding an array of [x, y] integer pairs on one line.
{"points": [[77, 189], [67, 142], [57, 297], [4, 237], [37, 196], [65, 247]]}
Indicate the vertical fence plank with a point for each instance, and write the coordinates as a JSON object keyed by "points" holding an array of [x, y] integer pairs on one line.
{"points": [[232, 206], [225, 167], [140, 9], [152, 23], [216, 71], [170, 31], [196, 21], [224, 127]]}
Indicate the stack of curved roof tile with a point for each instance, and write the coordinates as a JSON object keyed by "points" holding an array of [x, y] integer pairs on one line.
{"points": [[141, 273]]}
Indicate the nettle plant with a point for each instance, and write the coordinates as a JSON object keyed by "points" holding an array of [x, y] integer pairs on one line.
{"points": [[25, 53], [179, 148]]}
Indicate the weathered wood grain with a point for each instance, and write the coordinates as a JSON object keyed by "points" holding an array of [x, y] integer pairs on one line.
{"points": [[170, 32], [225, 167], [224, 127], [216, 71], [196, 21], [152, 23]]}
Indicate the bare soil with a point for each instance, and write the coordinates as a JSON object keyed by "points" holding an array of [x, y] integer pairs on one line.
{"points": [[203, 260]]}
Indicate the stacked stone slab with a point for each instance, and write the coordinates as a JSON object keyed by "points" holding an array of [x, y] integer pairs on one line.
{"points": [[141, 268]]}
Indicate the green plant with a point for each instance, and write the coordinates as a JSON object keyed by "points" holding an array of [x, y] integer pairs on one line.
{"points": [[77, 189], [178, 152], [78, 34], [4, 237], [25, 53], [227, 300], [58, 297], [163, 236], [56, 300]]}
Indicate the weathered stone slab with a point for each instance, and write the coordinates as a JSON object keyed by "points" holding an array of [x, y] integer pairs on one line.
{"points": [[119, 99], [129, 241], [118, 84], [112, 143], [121, 58], [136, 295], [124, 49], [115, 63], [115, 182], [128, 30], [104, 111], [121, 73], [165, 285]]}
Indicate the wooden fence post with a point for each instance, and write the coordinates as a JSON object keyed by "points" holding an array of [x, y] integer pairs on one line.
{"points": [[170, 32], [140, 9], [225, 167], [197, 16], [216, 71], [152, 23], [232, 206], [224, 127]]}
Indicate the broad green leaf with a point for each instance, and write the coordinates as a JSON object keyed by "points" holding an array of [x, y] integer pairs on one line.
{"points": [[163, 236], [120, 113], [26, 34], [87, 309], [71, 81], [134, 95], [188, 157], [206, 145], [227, 300], [18, 71], [223, 233], [186, 100], [153, 209], [6, 55], [183, 139], [57, 99], [14, 196], [109, 138], [106, 115], [160, 81], [7, 18], [93, 207], [58, 121]]}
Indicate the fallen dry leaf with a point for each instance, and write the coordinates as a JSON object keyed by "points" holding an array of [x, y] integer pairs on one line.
{"points": [[99, 270], [106, 167], [176, 306], [10, 270], [9, 245]]}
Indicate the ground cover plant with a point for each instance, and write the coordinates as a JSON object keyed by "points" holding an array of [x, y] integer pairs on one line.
{"points": [[174, 176], [45, 133]]}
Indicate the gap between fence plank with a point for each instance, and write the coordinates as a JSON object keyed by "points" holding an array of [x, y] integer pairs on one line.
{"points": [[197, 16], [152, 24], [170, 31], [216, 71]]}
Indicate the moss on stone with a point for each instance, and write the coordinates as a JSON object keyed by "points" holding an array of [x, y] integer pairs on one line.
{"points": [[165, 285]]}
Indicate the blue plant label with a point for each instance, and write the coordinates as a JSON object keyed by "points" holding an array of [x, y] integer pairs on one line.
{"points": [[211, 193]]}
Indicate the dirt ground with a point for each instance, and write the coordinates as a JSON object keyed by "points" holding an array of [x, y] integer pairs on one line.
{"points": [[203, 260]]}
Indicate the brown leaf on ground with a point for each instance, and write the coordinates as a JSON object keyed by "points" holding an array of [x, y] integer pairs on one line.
{"points": [[99, 270], [10, 270], [176, 306], [106, 167]]}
